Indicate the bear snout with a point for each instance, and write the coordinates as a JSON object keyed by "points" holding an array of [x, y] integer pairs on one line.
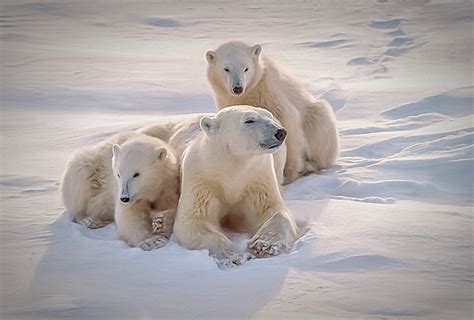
{"points": [[237, 90], [280, 135], [125, 199]]}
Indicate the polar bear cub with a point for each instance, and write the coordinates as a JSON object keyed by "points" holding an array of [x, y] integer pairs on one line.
{"points": [[240, 74], [227, 175], [91, 194], [87, 185], [147, 177]]}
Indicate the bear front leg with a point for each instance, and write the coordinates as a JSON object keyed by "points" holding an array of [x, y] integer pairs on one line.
{"points": [[134, 227], [161, 229], [154, 242], [223, 250], [162, 222], [294, 166], [205, 235], [197, 227], [279, 161], [275, 236]]}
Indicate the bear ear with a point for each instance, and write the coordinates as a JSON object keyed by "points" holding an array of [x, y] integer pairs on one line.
{"points": [[161, 153], [210, 56], [115, 150], [208, 124], [256, 50]]}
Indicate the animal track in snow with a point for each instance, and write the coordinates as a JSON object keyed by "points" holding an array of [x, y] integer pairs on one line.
{"points": [[327, 43], [385, 24], [162, 22], [399, 41], [362, 61]]}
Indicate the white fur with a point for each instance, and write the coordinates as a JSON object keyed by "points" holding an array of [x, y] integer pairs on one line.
{"points": [[90, 191], [87, 186], [312, 142], [180, 133], [177, 134], [228, 177], [147, 172]]}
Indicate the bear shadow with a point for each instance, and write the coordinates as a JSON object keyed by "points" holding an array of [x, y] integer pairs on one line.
{"points": [[89, 274]]}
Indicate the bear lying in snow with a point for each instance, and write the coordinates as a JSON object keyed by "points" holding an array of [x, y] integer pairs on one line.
{"points": [[87, 185], [91, 193], [240, 181], [239, 75], [227, 176], [147, 176]]}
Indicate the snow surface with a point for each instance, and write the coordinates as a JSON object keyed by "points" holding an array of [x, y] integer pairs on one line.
{"points": [[391, 223]]}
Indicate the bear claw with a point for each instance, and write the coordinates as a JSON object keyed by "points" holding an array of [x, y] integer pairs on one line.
{"points": [[233, 261], [93, 223], [262, 248], [153, 243], [157, 223]]}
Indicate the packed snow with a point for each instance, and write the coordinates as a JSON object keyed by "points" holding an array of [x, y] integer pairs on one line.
{"points": [[391, 224]]}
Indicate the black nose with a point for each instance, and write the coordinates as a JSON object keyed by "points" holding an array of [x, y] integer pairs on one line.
{"points": [[237, 90], [280, 135], [124, 199]]}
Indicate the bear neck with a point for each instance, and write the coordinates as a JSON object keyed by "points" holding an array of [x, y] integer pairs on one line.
{"points": [[168, 177], [224, 157], [259, 94]]}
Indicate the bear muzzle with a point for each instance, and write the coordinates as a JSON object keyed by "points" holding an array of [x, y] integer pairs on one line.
{"points": [[280, 135], [237, 90]]}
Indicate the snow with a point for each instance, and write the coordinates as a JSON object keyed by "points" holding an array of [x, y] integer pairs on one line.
{"points": [[390, 224]]}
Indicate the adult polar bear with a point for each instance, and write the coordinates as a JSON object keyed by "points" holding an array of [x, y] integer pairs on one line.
{"points": [[238, 75], [227, 176], [179, 133]]}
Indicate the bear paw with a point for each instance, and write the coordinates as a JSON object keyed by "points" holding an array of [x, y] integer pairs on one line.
{"points": [[157, 223], [93, 223], [234, 260], [290, 176], [263, 246], [153, 243]]}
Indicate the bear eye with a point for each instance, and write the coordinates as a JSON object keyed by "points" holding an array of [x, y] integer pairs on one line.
{"points": [[226, 69], [118, 175], [136, 174], [250, 121], [246, 69]]}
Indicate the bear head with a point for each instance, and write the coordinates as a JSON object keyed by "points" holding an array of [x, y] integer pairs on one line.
{"points": [[139, 166], [244, 130], [235, 67]]}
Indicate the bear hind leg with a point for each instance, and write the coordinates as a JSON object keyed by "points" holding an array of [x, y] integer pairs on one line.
{"points": [[322, 137], [100, 211], [94, 223]]}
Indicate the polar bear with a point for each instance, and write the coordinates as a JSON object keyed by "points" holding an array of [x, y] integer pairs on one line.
{"points": [[177, 133], [239, 74], [180, 133], [89, 189], [87, 185], [147, 176], [227, 177]]}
